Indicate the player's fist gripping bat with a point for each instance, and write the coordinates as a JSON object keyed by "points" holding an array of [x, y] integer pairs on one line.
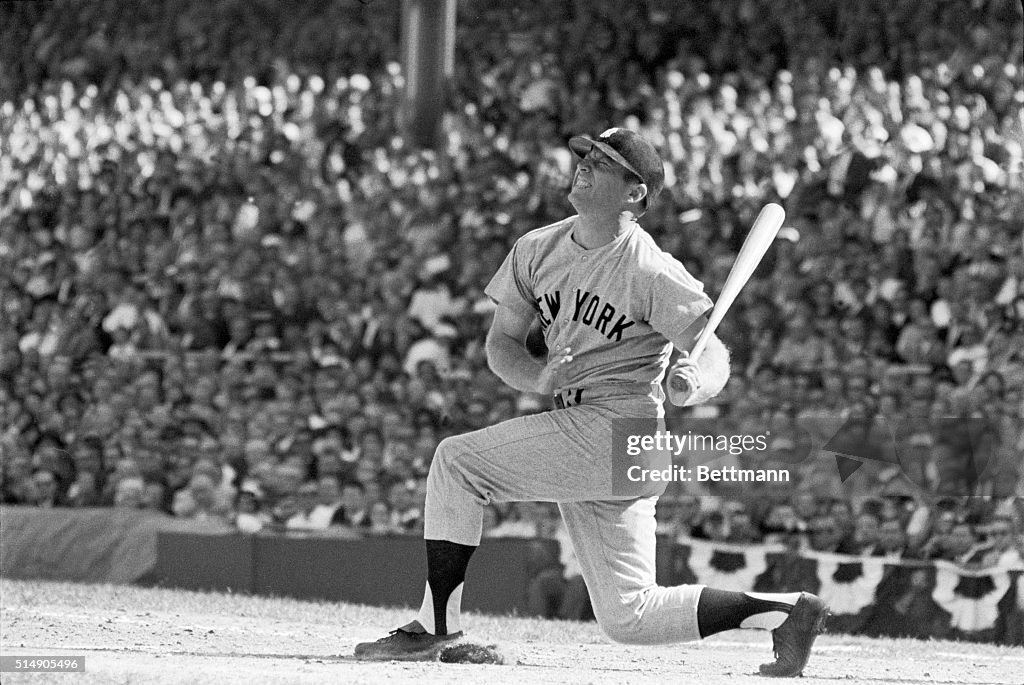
{"points": [[761, 235]]}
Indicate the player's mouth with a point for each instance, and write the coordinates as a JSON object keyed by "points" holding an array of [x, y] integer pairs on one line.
{"points": [[580, 183]]}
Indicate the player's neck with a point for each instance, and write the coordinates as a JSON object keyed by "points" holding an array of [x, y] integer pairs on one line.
{"points": [[595, 230]]}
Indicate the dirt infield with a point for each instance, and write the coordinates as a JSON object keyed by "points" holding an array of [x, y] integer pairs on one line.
{"points": [[133, 635]]}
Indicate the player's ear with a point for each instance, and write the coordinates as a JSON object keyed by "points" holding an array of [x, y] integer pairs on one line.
{"points": [[638, 192]]}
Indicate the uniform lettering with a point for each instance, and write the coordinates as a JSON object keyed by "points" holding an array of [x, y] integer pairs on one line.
{"points": [[620, 326], [588, 315], [544, 321], [605, 318], [581, 297], [554, 303], [592, 311]]}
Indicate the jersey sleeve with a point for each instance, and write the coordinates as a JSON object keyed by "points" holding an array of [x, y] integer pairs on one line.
{"points": [[510, 286], [677, 300]]}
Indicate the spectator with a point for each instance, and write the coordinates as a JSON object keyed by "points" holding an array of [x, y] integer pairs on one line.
{"points": [[741, 527], [559, 591], [306, 502], [892, 540], [679, 517], [715, 527], [782, 526], [124, 468], [249, 517], [282, 511], [406, 512], [200, 500], [379, 519], [520, 519], [842, 511], [154, 497], [128, 493], [18, 484], [1001, 545], [802, 349], [960, 544], [353, 504], [84, 491], [328, 509], [866, 535], [918, 341], [46, 489], [824, 533]]}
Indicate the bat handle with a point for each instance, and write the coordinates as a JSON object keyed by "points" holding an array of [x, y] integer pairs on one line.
{"points": [[700, 343]]}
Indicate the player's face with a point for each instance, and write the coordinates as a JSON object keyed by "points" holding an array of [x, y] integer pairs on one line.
{"points": [[601, 183]]}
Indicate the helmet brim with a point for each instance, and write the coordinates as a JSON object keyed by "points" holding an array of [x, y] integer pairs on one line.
{"points": [[581, 145]]}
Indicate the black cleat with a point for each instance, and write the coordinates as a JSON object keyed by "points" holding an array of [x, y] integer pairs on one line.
{"points": [[793, 639], [408, 643]]}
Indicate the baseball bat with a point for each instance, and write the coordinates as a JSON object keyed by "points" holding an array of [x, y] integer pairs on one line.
{"points": [[761, 235]]}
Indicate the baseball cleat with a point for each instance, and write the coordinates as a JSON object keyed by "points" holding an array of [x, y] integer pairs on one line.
{"points": [[792, 640], [408, 643]]}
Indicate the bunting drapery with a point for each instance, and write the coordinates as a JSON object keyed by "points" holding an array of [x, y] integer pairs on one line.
{"points": [[868, 595]]}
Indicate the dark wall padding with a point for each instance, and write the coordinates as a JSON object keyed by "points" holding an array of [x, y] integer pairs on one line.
{"points": [[101, 545], [381, 571]]}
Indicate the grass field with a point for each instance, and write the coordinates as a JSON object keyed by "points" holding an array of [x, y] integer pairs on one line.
{"points": [[136, 635]]}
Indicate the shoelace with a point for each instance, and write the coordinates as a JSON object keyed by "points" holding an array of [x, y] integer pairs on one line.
{"points": [[390, 636], [397, 631]]}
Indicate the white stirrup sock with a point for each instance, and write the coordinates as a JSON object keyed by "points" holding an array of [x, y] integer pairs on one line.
{"points": [[770, 620], [453, 611]]}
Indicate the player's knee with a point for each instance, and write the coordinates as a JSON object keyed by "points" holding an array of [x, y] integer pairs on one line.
{"points": [[624, 632], [618, 622], [626, 622]]}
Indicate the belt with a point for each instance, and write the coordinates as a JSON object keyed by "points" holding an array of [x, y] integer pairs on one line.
{"points": [[643, 392], [568, 398]]}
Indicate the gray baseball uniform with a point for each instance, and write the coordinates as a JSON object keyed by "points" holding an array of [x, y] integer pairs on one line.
{"points": [[619, 308]]}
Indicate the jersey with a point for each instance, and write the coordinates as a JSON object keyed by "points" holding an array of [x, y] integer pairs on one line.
{"points": [[620, 307]]}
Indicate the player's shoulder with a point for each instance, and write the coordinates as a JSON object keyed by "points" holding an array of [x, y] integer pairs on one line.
{"points": [[544, 239], [654, 261], [550, 233]]}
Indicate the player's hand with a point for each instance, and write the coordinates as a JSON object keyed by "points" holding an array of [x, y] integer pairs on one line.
{"points": [[684, 380], [548, 379]]}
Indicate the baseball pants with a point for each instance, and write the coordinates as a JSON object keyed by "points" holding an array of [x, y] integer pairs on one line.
{"points": [[564, 456]]}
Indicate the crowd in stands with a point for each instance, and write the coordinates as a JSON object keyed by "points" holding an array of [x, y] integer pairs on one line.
{"points": [[229, 291]]}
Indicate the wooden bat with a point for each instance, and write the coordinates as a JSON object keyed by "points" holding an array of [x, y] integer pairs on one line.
{"points": [[761, 235]]}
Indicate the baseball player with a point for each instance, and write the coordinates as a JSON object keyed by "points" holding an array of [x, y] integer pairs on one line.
{"points": [[611, 306]]}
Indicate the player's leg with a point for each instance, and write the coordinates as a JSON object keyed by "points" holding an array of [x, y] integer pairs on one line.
{"points": [[615, 543], [546, 457], [795, 620]]}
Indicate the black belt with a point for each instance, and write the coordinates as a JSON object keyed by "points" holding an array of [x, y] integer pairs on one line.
{"points": [[568, 398]]}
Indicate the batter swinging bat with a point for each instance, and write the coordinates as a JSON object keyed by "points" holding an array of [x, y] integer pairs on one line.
{"points": [[761, 235]]}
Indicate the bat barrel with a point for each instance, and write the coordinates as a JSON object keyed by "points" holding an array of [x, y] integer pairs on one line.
{"points": [[757, 242]]}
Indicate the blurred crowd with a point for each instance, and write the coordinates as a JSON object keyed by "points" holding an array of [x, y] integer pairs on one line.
{"points": [[229, 290]]}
